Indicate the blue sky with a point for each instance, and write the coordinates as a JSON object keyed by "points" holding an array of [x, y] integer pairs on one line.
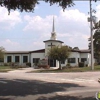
{"points": [[27, 31]]}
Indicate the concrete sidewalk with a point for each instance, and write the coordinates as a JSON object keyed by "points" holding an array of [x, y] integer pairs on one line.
{"points": [[23, 70]]}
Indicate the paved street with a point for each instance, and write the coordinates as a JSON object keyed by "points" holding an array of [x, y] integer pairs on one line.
{"points": [[21, 85]]}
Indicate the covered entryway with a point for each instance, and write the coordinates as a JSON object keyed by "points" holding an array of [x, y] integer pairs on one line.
{"points": [[52, 62]]}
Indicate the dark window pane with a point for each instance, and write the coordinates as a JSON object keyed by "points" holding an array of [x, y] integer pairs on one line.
{"points": [[16, 58], [83, 59], [71, 60], [63, 62], [8, 59], [25, 59], [1, 59], [36, 60]]}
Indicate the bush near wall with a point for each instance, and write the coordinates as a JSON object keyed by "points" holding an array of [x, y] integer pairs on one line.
{"points": [[81, 64], [28, 64], [6, 64]]}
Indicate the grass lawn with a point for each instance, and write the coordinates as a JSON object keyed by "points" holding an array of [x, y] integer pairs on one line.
{"points": [[75, 69], [6, 68]]}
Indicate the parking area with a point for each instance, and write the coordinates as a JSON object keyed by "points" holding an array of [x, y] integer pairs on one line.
{"points": [[21, 85]]}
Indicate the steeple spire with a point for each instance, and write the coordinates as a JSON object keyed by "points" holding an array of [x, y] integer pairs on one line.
{"points": [[53, 34], [53, 28]]}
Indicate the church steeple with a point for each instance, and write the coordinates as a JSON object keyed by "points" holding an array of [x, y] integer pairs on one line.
{"points": [[53, 28], [53, 34]]}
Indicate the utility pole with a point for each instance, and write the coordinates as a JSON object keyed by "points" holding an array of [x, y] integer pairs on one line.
{"points": [[91, 31]]}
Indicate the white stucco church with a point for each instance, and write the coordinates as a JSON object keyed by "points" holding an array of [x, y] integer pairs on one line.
{"points": [[22, 57]]}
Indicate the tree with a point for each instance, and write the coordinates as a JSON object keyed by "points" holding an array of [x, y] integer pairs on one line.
{"points": [[96, 44], [97, 25], [59, 53], [29, 5], [2, 51]]}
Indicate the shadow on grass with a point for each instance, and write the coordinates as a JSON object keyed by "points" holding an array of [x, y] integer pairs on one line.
{"points": [[31, 87], [67, 98]]}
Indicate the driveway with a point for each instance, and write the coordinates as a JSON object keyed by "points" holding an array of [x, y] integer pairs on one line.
{"points": [[21, 85]]}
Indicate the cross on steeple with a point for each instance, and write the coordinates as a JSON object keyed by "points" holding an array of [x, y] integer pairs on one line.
{"points": [[51, 45]]}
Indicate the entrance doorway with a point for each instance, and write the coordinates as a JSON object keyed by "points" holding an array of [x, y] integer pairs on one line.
{"points": [[52, 62]]}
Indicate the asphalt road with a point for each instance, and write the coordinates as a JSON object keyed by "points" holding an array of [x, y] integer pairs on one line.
{"points": [[20, 85]]}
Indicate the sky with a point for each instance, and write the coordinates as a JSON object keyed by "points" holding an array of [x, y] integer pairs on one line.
{"points": [[27, 31]]}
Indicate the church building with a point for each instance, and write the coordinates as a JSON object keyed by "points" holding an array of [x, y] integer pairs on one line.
{"points": [[33, 57]]}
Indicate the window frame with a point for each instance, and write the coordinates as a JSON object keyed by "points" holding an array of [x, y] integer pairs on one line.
{"points": [[83, 59], [17, 61], [9, 60], [36, 60], [24, 60], [71, 60]]}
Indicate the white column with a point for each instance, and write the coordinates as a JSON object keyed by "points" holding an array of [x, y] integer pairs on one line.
{"points": [[13, 58], [5, 58]]}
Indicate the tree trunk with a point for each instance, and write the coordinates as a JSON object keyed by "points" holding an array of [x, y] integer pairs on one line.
{"points": [[60, 65], [98, 59]]}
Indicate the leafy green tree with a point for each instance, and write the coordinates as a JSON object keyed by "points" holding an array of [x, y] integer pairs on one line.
{"points": [[59, 53], [97, 25], [96, 43], [2, 51], [29, 5]]}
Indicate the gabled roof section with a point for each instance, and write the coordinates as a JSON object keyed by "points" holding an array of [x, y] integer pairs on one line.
{"points": [[25, 52], [85, 51], [53, 41], [17, 52], [38, 51], [81, 51]]}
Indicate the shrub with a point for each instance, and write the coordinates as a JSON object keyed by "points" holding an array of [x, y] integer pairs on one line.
{"points": [[6, 64], [28, 64], [81, 64], [95, 64], [64, 67], [68, 64], [12, 64]]}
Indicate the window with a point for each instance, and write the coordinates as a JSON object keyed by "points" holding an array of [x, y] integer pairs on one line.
{"points": [[83, 59], [1, 59], [36, 60], [63, 62], [16, 58], [9, 59], [25, 59], [71, 60]]}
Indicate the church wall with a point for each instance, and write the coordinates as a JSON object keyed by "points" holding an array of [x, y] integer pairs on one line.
{"points": [[75, 55], [48, 47], [64, 64], [83, 55], [37, 55], [13, 58], [87, 56]]}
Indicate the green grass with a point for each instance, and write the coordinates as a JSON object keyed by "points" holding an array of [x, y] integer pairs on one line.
{"points": [[74, 69], [6, 68]]}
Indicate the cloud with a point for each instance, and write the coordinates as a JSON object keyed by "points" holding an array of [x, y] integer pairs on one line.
{"points": [[71, 27], [8, 21], [37, 24], [10, 45]]}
